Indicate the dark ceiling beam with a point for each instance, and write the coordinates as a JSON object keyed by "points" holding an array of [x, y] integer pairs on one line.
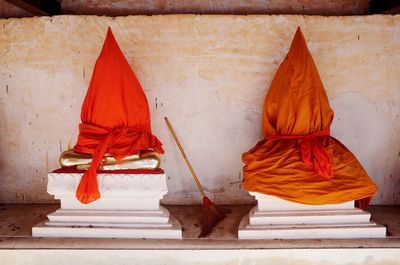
{"points": [[38, 7], [384, 6], [392, 11]]}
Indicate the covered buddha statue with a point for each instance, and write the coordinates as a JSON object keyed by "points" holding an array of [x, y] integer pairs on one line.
{"points": [[115, 132], [298, 160]]}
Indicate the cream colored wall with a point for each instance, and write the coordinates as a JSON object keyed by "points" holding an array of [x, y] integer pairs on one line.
{"points": [[209, 75]]}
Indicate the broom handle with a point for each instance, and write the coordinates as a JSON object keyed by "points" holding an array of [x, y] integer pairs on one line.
{"points": [[185, 157]]}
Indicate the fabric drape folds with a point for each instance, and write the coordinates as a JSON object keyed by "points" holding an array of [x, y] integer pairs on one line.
{"points": [[298, 160], [115, 116]]}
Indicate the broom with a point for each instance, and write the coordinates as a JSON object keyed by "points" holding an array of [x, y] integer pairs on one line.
{"points": [[212, 214]]}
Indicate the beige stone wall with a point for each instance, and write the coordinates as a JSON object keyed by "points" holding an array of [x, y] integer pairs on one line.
{"points": [[209, 75]]}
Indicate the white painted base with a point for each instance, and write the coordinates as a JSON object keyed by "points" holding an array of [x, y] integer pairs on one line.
{"points": [[129, 207], [274, 218]]}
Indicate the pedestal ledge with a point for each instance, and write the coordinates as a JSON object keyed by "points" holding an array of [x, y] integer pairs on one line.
{"points": [[274, 218], [129, 207]]}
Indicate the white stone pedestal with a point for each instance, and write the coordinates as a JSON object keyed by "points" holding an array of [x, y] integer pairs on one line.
{"points": [[274, 218], [129, 207]]}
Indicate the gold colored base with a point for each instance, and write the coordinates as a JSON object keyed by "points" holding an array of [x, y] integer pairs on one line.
{"points": [[144, 160]]}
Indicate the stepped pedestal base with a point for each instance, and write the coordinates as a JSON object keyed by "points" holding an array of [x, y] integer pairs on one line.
{"points": [[129, 207], [274, 218]]}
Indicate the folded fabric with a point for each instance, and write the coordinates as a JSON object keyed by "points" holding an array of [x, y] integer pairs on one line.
{"points": [[115, 116], [298, 160]]}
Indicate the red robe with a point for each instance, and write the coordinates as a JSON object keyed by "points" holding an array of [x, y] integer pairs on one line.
{"points": [[115, 116]]}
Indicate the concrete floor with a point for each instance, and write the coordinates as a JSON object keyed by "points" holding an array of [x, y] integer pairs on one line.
{"points": [[16, 221]]}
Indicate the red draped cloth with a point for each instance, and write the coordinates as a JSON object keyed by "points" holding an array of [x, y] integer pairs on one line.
{"points": [[115, 116], [298, 160]]}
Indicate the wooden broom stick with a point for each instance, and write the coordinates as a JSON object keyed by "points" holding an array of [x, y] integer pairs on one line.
{"points": [[211, 213], [185, 158]]}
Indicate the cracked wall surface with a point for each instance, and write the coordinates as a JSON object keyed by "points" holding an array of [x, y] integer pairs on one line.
{"points": [[209, 75]]}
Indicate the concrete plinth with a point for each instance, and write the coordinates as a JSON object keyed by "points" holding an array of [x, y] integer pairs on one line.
{"points": [[129, 207], [274, 218]]}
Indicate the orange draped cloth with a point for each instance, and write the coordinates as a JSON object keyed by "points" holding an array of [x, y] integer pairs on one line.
{"points": [[115, 116], [298, 160]]}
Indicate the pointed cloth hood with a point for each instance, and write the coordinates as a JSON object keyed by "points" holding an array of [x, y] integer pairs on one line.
{"points": [[115, 116], [298, 160], [296, 103], [297, 107]]}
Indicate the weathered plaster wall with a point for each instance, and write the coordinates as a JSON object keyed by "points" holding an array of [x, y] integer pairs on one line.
{"points": [[209, 75]]}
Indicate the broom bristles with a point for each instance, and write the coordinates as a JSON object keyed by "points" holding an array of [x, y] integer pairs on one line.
{"points": [[212, 215]]}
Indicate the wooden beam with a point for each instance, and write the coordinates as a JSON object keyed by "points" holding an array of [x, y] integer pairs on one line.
{"points": [[392, 11], [233, 7], [38, 7], [384, 6]]}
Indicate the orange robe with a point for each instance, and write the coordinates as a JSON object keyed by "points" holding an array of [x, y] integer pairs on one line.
{"points": [[115, 116], [298, 160]]}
